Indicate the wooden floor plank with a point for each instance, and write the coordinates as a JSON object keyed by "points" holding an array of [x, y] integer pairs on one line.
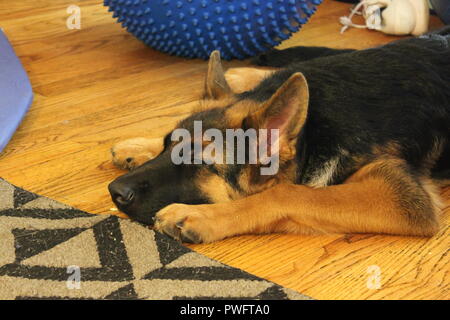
{"points": [[98, 85]]}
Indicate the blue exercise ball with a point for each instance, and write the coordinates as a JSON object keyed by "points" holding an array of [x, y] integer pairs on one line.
{"points": [[195, 28]]}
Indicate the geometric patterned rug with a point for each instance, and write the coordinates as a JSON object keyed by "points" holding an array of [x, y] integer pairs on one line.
{"points": [[52, 251]]}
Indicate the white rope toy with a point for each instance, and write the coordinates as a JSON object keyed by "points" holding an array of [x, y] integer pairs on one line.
{"points": [[397, 17], [370, 11]]}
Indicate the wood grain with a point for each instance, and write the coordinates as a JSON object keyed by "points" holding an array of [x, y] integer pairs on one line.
{"points": [[98, 85]]}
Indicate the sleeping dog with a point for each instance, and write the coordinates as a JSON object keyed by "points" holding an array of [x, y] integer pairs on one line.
{"points": [[363, 143]]}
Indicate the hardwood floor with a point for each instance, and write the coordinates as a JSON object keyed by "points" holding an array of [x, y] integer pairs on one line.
{"points": [[98, 85]]}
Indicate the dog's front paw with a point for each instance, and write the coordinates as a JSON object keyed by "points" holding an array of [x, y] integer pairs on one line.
{"points": [[245, 79], [132, 153], [187, 223]]}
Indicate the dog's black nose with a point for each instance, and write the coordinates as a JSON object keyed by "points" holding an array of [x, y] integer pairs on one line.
{"points": [[121, 194]]}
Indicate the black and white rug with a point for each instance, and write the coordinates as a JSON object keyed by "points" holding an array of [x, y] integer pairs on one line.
{"points": [[51, 251]]}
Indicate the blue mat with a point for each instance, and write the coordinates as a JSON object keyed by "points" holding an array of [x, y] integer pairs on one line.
{"points": [[16, 94]]}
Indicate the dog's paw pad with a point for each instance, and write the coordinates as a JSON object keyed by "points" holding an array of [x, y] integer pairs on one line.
{"points": [[119, 161], [189, 236]]}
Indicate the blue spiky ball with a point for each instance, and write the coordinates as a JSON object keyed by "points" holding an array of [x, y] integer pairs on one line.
{"points": [[195, 28]]}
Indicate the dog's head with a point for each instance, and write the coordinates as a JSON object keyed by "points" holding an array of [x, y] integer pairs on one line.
{"points": [[199, 164]]}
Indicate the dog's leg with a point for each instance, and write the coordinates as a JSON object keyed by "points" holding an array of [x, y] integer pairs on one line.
{"points": [[283, 58], [382, 197], [245, 79], [132, 153]]}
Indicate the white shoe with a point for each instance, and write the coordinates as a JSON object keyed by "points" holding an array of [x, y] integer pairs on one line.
{"points": [[397, 17]]}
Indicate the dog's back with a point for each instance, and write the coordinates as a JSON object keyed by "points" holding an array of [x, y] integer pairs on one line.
{"points": [[390, 99]]}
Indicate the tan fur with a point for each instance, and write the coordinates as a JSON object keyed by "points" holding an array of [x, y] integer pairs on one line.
{"points": [[245, 79], [441, 183], [208, 104], [368, 202], [391, 148], [433, 155], [249, 185], [131, 153], [434, 192], [238, 111], [216, 86], [216, 188]]}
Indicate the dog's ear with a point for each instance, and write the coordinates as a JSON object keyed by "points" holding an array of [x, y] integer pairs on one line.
{"points": [[286, 111], [216, 86]]}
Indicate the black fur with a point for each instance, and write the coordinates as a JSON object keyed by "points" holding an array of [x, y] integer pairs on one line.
{"points": [[282, 58], [398, 93]]}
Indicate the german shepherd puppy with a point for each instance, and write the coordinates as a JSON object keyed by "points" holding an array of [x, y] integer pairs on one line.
{"points": [[363, 139]]}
